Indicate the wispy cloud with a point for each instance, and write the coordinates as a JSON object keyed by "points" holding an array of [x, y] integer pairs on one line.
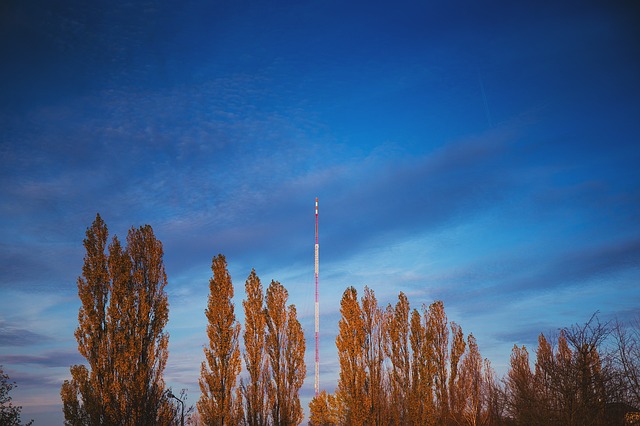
{"points": [[583, 265], [64, 358], [14, 336]]}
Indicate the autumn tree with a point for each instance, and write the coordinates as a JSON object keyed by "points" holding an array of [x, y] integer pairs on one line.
{"points": [[472, 398], [285, 347], [438, 336], [351, 394], [120, 333], [456, 385], [546, 385], [519, 387], [219, 404], [255, 358], [74, 409], [568, 386], [397, 349], [373, 350], [323, 410], [420, 405]]}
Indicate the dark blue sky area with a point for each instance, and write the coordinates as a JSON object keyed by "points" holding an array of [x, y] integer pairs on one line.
{"points": [[482, 153]]}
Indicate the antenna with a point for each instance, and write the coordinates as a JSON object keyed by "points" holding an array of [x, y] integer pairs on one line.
{"points": [[317, 247]]}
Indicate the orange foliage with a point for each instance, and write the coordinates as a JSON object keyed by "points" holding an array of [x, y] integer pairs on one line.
{"points": [[218, 404], [120, 332]]}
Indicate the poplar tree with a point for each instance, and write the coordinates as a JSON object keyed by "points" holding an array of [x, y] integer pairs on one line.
{"points": [[456, 386], [285, 347], [350, 341], [421, 406], [296, 369], [120, 333], [219, 404], [520, 388], [255, 358], [472, 400], [566, 382], [374, 320], [438, 335], [397, 349], [544, 382]]}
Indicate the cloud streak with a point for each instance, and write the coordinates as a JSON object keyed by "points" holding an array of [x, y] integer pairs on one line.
{"points": [[15, 336], [47, 359]]}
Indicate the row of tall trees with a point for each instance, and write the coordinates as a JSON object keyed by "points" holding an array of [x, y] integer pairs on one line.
{"points": [[403, 366], [414, 367], [397, 365], [274, 348], [120, 333]]}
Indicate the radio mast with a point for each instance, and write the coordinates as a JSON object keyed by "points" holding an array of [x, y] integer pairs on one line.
{"points": [[317, 381]]}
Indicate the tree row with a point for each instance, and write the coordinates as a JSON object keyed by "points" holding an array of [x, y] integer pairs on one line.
{"points": [[120, 333], [398, 366], [413, 367]]}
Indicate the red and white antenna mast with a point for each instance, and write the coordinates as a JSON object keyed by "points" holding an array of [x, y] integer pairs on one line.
{"points": [[317, 381]]}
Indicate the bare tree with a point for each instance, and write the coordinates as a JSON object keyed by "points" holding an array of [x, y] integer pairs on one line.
{"points": [[627, 358], [591, 378], [9, 413]]}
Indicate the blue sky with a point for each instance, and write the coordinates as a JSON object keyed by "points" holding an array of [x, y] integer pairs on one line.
{"points": [[482, 153]]}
